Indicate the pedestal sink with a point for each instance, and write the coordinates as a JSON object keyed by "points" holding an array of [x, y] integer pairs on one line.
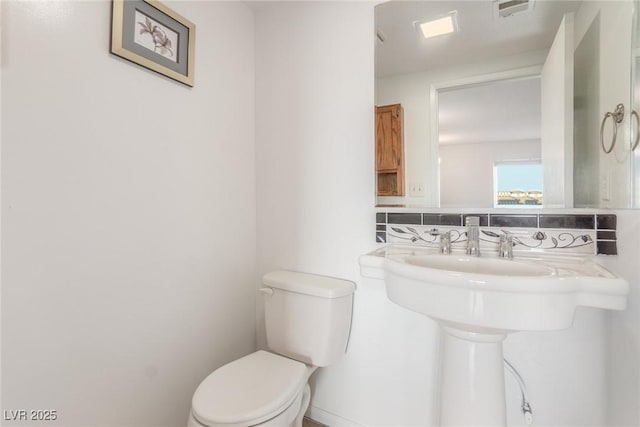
{"points": [[479, 300]]}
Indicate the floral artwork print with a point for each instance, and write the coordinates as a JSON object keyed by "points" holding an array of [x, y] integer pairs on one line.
{"points": [[159, 37], [151, 35], [155, 37]]}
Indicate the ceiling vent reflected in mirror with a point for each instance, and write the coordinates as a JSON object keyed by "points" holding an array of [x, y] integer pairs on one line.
{"points": [[507, 8]]}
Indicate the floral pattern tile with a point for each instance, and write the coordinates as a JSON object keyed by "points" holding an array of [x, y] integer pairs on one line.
{"points": [[574, 241], [579, 232]]}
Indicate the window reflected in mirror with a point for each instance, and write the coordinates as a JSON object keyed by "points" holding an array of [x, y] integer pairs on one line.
{"points": [[518, 184]]}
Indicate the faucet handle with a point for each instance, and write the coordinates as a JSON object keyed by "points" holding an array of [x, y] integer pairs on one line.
{"points": [[505, 248], [445, 242], [473, 235], [472, 221]]}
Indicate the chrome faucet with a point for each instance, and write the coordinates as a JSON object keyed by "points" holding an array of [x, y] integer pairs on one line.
{"points": [[445, 240], [505, 248], [473, 235]]}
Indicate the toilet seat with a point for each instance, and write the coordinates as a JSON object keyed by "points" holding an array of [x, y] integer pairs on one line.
{"points": [[249, 390]]}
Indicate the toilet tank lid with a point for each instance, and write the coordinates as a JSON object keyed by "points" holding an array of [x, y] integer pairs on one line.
{"points": [[309, 284]]}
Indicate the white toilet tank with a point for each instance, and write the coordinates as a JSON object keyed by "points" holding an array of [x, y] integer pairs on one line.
{"points": [[308, 317]]}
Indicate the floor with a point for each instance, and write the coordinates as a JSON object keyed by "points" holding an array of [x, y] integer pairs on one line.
{"points": [[307, 422]]}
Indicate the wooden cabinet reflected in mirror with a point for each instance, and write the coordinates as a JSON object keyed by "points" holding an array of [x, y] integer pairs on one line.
{"points": [[390, 150]]}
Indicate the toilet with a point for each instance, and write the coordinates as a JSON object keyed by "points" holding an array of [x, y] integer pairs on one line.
{"points": [[307, 322]]}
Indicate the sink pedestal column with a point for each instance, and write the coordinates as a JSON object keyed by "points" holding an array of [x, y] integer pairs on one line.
{"points": [[472, 379]]}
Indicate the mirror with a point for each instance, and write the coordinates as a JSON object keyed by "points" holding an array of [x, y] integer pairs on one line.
{"points": [[453, 87]]}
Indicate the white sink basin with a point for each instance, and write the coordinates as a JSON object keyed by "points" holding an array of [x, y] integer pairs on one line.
{"points": [[457, 265], [533, 293], [477, 302]]}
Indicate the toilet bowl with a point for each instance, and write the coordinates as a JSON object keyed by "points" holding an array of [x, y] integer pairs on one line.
{"points": [[261, 389], [307, 319]]}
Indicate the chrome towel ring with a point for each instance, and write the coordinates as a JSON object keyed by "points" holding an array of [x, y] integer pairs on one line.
{"points": [[634, 113], [617, 116]]}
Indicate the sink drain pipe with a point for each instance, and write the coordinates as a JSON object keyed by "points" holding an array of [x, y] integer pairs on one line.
{"points": [[526, 407]]}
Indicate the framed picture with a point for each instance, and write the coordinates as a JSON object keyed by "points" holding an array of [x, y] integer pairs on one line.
{"points": [[152, 35]]}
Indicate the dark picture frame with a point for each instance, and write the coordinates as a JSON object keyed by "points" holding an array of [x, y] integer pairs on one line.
{"points": [[153, 36]]}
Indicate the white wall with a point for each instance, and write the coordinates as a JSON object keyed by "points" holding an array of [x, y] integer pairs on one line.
{"points": [[623, 334], [314, 127], [128, 215], [466, 170], [412, 91], [314, 142]]}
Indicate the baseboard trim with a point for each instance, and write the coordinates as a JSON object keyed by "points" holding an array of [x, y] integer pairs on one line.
{"points": [[329, 419]]}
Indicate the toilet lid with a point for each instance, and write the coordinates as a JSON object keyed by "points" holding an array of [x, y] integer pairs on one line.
{"points": [[255, 387]]}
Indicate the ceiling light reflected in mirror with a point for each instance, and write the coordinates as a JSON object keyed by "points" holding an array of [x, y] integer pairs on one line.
{"points": [[438, 27]]}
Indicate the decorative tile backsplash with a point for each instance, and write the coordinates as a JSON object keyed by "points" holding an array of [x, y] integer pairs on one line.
{"points": [[562, 233]]}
